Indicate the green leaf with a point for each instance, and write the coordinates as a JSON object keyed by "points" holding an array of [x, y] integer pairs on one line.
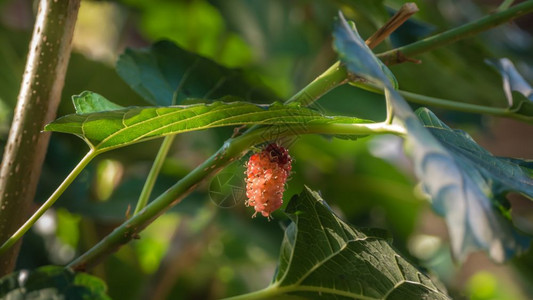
{"points": [[463, 188], [518, 91], [357, 57], [88, 102], [166, 74], [107, 130], [324, 257], [470, 185], [361, 61], [51, 282]]}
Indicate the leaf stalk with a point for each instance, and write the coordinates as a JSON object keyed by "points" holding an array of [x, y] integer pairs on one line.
{"points": [[154, 172], [48, 203]]}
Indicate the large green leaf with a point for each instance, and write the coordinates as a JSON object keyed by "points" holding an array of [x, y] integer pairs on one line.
{"points": [[166, 74], [502, 174], [471, 184], [111, 129], [465, 183], [52, 282], [324, 257]]}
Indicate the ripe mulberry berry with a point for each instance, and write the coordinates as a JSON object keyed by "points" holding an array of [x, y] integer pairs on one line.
{"points": [[267, 172]]}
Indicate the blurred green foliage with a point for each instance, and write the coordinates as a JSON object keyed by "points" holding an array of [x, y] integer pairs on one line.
{"points": [[286, 44], [52, 282]]}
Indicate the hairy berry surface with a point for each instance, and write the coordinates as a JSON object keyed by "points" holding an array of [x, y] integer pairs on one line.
{"points": [[267, 172]]}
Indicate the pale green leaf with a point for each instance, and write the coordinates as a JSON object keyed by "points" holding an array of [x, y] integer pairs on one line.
{"points": [[88, 102], [117, 128], [470, 187]]}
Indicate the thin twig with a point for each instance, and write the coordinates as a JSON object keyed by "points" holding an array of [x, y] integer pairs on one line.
{"points": [[402, 15], [400, 55]]}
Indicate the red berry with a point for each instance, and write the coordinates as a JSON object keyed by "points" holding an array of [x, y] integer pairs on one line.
{"points": [[267, 172]]}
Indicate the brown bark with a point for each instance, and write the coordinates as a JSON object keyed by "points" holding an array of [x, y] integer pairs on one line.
{"points": [[37, 104]]}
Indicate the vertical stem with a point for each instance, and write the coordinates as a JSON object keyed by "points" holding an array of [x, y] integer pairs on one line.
{"points": [[37, 104], [154, 171], [160, 158]]}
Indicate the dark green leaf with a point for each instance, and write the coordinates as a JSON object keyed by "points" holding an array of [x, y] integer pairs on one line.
{"points": [[166, 74], [112, 129], [323, 257], [51, 282]]}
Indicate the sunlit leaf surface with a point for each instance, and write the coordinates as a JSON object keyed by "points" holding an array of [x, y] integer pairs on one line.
{"points": [[117, 128]]}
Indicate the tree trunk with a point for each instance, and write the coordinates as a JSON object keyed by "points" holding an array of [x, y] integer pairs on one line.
{"points": [[37, 104]]}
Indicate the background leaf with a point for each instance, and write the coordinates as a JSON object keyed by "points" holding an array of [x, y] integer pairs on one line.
{"points": [[517, 90], [166, 74], [111, 129], [375, 10], [464, 181], [51, 282], [471, 185], [322, 256]]}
